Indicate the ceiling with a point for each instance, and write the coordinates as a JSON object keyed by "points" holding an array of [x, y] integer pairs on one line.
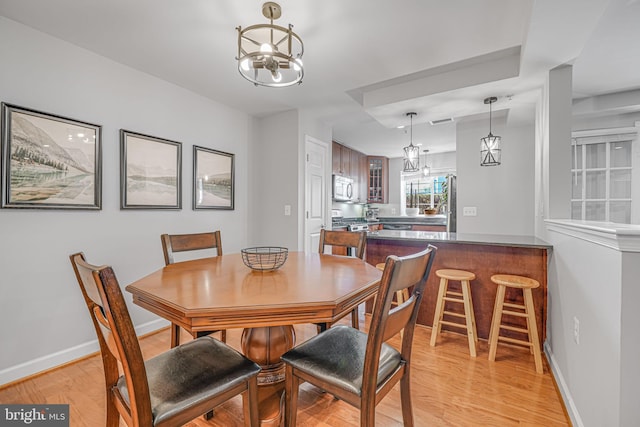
{"points": [[367, 63]]}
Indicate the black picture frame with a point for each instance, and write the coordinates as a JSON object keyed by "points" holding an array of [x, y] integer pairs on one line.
{"points": [[50, 161], [213, 179], [150, 172]]}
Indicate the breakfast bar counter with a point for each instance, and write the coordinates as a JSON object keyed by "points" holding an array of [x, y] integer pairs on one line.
{"points": [[482, 254]]}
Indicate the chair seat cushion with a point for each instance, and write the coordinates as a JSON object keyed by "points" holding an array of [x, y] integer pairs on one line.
{"points": [[191, 373], [337, 355]]}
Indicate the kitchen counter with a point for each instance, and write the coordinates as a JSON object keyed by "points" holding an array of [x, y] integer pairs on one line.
{"points": [[418, 219], [474, 239], [482, 254]]}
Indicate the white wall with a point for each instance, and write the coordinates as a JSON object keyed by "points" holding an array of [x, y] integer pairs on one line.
{"points": [[630, 341], [277, 173], [396, 198], [503, 194], [597, 285], [274, 181], [41, 308], [557, 134], [584, 282], [442, 163]]}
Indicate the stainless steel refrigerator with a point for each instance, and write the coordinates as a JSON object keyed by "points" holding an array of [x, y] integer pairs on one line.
{"points": [[452, 222]]}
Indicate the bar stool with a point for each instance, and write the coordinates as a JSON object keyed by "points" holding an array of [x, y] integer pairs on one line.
{"points": [[527, 311], [464, 298]]}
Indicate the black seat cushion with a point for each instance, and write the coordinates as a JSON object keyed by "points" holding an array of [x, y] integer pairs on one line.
{"points": [[191, 373], [337, 356]]}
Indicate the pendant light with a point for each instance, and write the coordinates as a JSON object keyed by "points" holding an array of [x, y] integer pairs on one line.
{"points": [[411, 152], [425, 169], [490, 145]]}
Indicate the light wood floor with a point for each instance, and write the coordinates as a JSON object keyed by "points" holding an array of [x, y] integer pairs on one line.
{"points": [[449, 388]]}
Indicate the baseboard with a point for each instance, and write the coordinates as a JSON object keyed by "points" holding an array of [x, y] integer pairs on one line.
{"points": [[44, 363], [564, 390]]}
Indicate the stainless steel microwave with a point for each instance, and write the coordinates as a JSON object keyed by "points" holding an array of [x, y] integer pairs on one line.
{"points": [[342, 188]]}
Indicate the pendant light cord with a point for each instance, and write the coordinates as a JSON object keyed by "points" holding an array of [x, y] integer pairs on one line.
{"points": [[411, 130], [490, 109]]}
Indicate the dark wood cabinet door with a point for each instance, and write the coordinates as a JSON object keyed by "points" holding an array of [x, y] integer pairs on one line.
{"points": [[335, 157], [345, 160], [428, 227], [378, 181], [354, 164], [363, 190], [340, 159]]}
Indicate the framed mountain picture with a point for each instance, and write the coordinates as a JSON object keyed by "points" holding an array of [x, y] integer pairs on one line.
{"points": [[49, 162], [150, 172], [213, 179]]}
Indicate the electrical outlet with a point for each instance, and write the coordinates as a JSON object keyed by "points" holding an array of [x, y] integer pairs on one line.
{"points": [[393, 211], [287, 210], [469, 211], [576, 330]]}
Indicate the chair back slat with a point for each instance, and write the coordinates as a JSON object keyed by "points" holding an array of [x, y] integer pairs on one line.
{"points": [[174, 243], [116, 334], [348, 239], [105, 329], [398, 318]]}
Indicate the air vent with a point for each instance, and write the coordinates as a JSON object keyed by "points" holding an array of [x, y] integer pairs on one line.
{"points": [[441, 121]]}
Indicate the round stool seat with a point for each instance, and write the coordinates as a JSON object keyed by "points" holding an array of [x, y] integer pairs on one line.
{"points": [[380, 266], [451, 274], [514, 281]]}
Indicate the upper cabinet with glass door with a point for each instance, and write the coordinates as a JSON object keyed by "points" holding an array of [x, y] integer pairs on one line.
{"points": [[378, 186]]}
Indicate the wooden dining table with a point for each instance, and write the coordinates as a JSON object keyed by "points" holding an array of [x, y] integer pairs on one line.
{"points": [[222, 293]]}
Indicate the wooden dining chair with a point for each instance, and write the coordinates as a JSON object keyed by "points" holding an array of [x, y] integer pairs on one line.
{"points": [[175, 243], [172, 388], [354, 240], [360, 368]]}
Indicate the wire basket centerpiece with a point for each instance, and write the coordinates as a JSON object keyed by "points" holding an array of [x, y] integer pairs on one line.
{"points": [[264, 258]]}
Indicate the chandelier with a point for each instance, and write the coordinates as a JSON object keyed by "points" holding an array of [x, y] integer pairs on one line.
{"points": [[490, 145], [268, 54], [411, 152]]}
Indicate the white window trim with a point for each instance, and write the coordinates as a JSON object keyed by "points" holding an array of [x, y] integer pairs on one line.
{"points": [[608, 136]]}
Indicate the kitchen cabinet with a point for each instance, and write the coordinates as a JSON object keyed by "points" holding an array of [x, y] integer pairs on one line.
{"points": [[353, 164], [378, 180], [341, 159], [428, 227], [359, 173], [363, 180]]}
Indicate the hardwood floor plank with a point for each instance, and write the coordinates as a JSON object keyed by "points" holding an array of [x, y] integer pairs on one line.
{"points": [[449, 388]]}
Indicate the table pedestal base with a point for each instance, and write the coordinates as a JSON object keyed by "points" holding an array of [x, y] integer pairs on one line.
{"points": [[265, 346]]}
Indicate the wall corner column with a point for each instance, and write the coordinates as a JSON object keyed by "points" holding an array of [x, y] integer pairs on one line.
{"points": [[556, 140]]}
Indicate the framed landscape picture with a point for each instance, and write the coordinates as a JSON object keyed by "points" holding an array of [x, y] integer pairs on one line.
{"points": [[150, 172], [49, 161], [213, 179]]}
